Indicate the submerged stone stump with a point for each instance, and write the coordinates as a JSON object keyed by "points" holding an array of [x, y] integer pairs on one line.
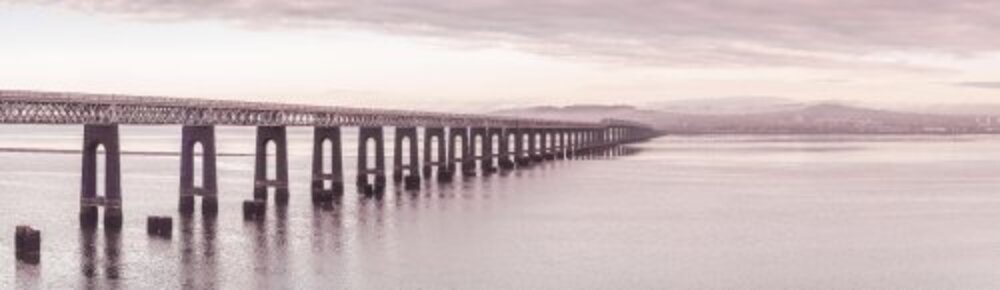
{"points": [[411, 182], [254, 209], [27, 244], [160, 226]]}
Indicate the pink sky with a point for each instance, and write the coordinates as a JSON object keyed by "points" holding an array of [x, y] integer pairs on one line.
{"points": [[477, 55]]}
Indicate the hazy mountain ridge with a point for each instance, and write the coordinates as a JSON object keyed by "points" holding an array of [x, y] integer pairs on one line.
{"points": [[777, 118], [728, 105]]}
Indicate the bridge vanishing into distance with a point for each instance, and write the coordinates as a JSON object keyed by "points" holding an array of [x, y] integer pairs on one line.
{"points": [[465, 144]]}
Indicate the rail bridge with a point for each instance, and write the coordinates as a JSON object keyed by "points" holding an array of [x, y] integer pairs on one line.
{"points": [[465, 143]]}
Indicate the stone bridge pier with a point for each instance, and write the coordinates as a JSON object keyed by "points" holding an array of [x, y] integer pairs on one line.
{"points": [[435, 136], [458, 144], [543, 148], [96, 137], [191, 138], [327, 165], [520, 149], [506, 153], [481, 151], [371, 179], [408, 172], [271, 136]]}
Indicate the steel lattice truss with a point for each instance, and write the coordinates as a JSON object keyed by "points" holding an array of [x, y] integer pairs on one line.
{"points": [[31, 107]]}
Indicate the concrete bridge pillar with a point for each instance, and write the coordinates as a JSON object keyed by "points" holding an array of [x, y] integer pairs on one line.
{"points": [[458, 136], [543, 148], [579, 141], [95, 137], [553, 144], [435, 135], [545, 144], [530, 151], [204, 136], [563, 144], [411, 168], [327, 185], [471, 156], [507, 156], [521, 151], [587, 137], [557, 146], [266, 136], [479, 150], [376, 186], [495, 149], [570, 143]]}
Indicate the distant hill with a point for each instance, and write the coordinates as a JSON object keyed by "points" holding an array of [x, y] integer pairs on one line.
{"points": [[728, 105], [587, 113], [787, 118]]}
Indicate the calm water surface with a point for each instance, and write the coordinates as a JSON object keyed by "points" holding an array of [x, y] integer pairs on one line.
{"points": [[712, 212]]}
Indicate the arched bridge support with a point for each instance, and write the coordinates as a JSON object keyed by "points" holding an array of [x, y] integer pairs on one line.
{"points": [[563, 143], [530, 151], [543, 148], [96, 136], [192, 136], [327, 181], [457, 136], [481, 151], [271, 135], [377, 172], [552, 145], [507, 155], [469, 157], [409, 171], [435, 136]]}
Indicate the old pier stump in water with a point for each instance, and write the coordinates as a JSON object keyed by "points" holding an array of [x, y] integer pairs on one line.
{"points": [[27, 244], [411, 182], [160, 226], [254, 209]]}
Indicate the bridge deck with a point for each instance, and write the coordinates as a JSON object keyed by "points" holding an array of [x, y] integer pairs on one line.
{"points": [[34, 107]]}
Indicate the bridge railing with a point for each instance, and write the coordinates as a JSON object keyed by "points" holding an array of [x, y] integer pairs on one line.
{"points": [[31, 107]]}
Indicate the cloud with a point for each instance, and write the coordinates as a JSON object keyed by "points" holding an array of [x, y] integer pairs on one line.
{"points": [[981, 85], [667, 32]]}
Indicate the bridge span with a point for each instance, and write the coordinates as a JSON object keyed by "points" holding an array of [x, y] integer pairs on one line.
{"points": [[464, 144]]}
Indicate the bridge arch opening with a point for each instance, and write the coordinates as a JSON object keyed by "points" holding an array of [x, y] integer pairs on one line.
{"points": [[433, 151], [478, 147], [101, 171], [271, 151], [459, 148], [495, 148], [271, 165], [526, 145], [326, 164], [405, 144], [370, 153], [197, 168], [538, 142], [511, 144]]}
